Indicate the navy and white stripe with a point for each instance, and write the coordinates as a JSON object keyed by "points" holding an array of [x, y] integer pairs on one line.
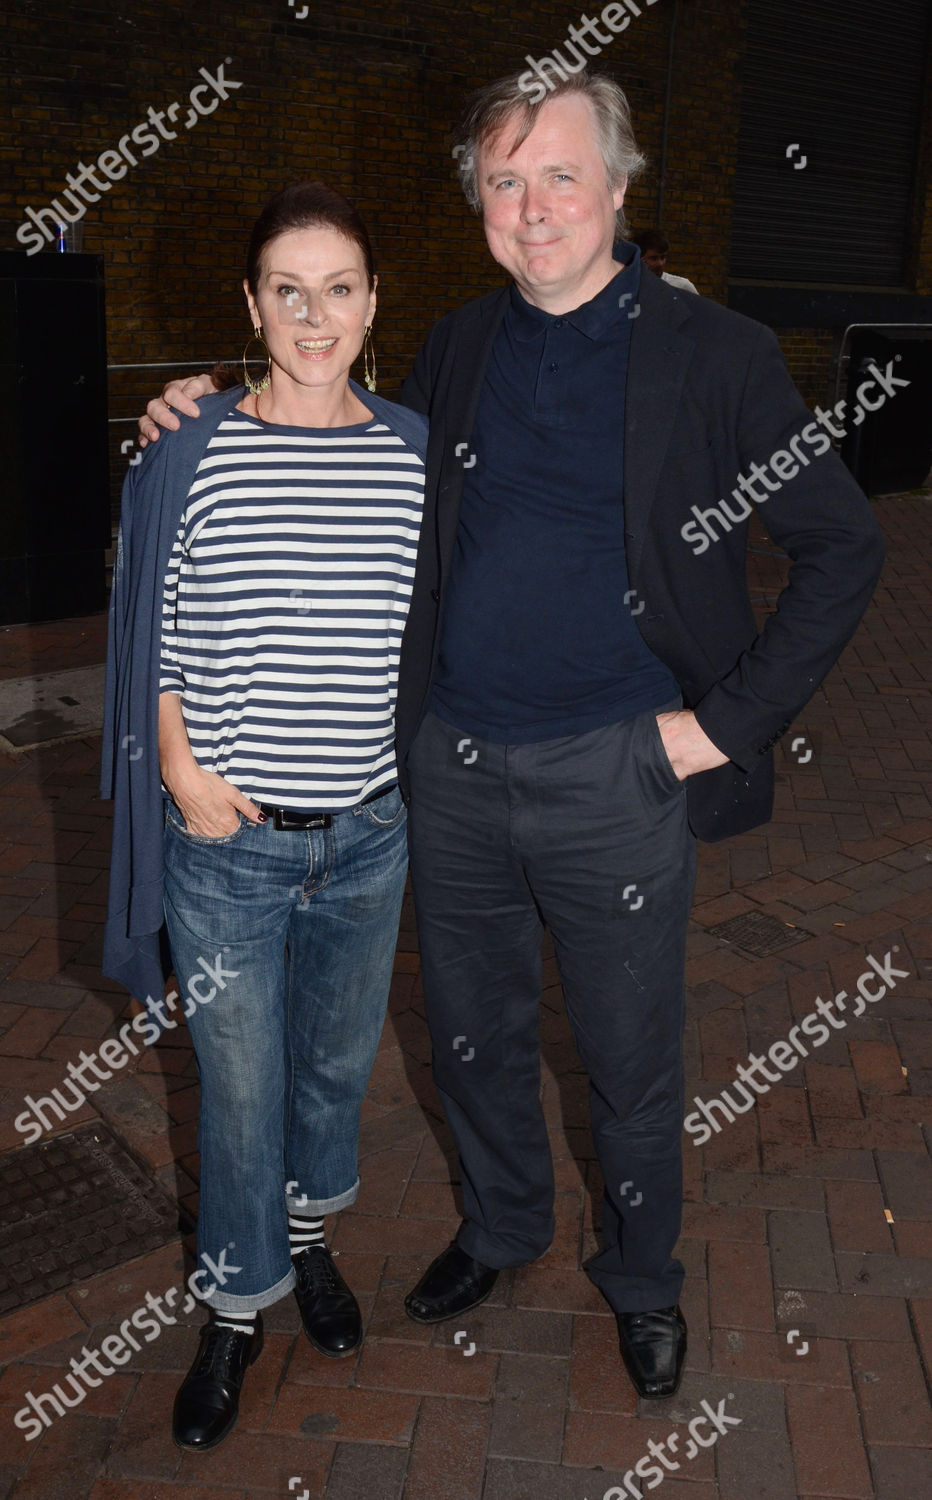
{"points": [[285, 600]]}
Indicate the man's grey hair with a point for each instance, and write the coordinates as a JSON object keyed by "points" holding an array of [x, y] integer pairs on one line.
{"points": [[507, 101]]}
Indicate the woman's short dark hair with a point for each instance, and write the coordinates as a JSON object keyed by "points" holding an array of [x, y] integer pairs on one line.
{"points": [[306, 205]]}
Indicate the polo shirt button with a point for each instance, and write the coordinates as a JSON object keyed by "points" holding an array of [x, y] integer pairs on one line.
{"points": [[558, 323], [553, 368]]}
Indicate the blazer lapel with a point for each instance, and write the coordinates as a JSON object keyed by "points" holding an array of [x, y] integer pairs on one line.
{"points": [[657, 365]]}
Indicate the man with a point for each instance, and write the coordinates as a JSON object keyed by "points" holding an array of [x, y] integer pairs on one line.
{"points": [[655, 248], [582, 692]]}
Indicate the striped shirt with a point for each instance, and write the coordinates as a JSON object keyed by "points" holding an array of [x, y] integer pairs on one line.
{"points": [[285, 600]]}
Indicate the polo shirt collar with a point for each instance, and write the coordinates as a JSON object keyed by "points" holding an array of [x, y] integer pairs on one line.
{"points": [[595, 318]]}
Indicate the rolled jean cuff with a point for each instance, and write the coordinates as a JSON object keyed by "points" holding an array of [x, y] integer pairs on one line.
{"points": [[225, 1302], [316, 1208]]}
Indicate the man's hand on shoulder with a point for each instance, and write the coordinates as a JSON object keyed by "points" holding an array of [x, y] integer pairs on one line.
{"points": [[182, 395], [688, 747]]}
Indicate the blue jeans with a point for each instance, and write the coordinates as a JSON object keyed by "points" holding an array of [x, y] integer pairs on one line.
{"points": [[301, 929]]}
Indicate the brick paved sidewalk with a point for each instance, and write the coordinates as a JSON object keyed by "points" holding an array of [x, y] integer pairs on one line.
{"points": [[811, 1212]]}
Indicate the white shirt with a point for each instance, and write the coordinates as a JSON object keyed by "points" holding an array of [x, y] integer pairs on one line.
{"points": [[680, 281]]}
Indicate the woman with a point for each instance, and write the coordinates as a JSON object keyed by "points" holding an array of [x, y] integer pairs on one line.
{"points": [[262, 582]]}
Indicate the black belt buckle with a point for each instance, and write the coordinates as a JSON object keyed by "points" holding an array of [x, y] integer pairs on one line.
{"points": [[296, 822]]}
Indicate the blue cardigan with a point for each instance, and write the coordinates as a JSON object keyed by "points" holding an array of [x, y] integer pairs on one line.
{"points": [[154, 494]]}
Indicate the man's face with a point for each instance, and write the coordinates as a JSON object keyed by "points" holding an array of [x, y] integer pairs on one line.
{"points": [[655, 260], [548, 210]]}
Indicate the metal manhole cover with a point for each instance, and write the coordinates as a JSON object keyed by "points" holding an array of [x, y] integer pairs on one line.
{"points": [[72, 1207], [756, 933]]}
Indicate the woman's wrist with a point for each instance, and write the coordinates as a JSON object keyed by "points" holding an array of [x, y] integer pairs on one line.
{"points": [[179, 772]]}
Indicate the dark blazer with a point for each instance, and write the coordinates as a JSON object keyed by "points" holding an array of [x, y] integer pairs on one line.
{"points": [[708, 394]]}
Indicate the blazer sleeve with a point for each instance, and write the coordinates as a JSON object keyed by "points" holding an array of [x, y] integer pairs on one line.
{"points": [[824, 522]]}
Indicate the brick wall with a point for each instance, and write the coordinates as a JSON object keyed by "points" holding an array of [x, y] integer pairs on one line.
{"points": [[810, 354], [365, 97]]}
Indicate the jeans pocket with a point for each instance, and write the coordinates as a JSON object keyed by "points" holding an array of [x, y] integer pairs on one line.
{"points": [[176, 823], [384, 812]]}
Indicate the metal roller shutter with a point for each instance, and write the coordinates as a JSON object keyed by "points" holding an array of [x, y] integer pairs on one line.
{"points": [[841, 80]]}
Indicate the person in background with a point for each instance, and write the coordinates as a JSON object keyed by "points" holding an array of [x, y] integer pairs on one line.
{"points": [[655, 247], [263, 579]]}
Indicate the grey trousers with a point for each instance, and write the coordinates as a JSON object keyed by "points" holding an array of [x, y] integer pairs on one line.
{"points": [[586, 835]]}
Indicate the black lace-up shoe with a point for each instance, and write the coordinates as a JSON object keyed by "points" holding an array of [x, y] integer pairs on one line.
{"points": [[207, 1405], [452, 1284], [653, 1347], [329, 1311]]}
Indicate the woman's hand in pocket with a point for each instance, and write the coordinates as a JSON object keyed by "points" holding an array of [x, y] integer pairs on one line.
{"points": [[210, 805]]}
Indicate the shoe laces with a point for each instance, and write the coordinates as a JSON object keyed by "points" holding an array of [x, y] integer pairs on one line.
{"points": [[315, 1269], [221, 1351]]}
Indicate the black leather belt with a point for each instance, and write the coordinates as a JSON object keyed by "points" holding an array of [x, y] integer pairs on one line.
{"points": [[291, 820]]}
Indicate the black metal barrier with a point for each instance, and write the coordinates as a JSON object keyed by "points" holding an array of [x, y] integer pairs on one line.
{"points": [[890, 448]]}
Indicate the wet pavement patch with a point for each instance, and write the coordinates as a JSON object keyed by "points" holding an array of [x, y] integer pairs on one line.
{"points": [[72, 1207], [756, 933], [51, 706]]}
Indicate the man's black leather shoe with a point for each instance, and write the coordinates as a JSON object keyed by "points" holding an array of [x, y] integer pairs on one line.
{"points": [[653, 1347], [452, 1284], [207, 1405], [329, 1311]]}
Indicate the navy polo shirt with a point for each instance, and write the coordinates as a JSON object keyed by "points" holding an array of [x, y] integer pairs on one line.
{"points": [[537, 639]]}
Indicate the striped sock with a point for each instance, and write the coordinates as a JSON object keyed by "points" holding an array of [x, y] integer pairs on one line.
{"points": [[244, 1322], [302, 1233]]}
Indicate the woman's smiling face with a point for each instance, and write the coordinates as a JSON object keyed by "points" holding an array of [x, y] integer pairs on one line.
{"points": [[313, 301]]}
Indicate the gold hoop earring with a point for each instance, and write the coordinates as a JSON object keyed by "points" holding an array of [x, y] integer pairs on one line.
{"points": [[368, 352], [257, 386]]}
